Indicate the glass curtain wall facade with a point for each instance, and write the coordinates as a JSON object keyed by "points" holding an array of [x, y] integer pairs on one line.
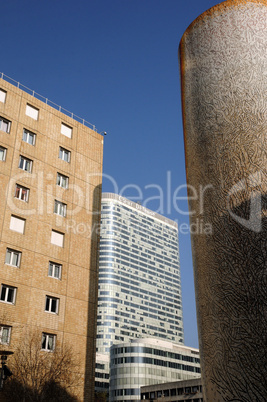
{"points": [[139, 275], [149, 361]]}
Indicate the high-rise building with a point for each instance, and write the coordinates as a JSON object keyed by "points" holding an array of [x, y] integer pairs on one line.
{"points": [[139, 279], [50, 174]]}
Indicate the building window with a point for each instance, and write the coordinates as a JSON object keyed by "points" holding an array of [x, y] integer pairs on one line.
{"points": [[13, 257], [66, 130], [64, 154], [28, 137], [32, 112], [5, 332], [54, 270], [51, 304], [60, 208], [2, 154], [57, 238], [62, 181], [173, 392], [17, 224], [8, 294], [5, 125], [48, 342], [2, 95], [22, 193], [25, 164]]}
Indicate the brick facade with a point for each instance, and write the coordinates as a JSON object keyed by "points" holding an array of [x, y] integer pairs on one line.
{"points": [[75, 320]]}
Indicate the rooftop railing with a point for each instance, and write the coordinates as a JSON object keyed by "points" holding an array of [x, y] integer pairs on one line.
{"points": [[47, 101]]}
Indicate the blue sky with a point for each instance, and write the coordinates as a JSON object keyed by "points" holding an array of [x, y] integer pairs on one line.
{"points": [[115, 64]]}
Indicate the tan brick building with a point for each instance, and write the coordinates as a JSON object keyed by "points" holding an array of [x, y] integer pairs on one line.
{"points": [[50, 177]]}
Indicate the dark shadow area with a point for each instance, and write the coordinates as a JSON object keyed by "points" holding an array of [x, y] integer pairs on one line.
{"points": [[101, 396], [16, 391], [89, 383], [234, 312]]}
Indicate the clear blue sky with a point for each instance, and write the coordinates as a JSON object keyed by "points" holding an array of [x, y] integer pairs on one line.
{"points": [[114, 63]]}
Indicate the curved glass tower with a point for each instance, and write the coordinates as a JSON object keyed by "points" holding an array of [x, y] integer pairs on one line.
{"points": [[149, 361], [139, 276]]}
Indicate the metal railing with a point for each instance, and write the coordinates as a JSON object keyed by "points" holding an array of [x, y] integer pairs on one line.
{"points": [[47, 101]]}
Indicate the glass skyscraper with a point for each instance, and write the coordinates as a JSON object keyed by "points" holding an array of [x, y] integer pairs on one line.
{"points": [[139, 277]]}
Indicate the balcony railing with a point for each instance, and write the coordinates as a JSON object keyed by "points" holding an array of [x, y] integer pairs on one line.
{"points": [[47, 101]]}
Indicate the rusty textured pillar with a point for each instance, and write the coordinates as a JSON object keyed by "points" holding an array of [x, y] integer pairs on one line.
{"points": [[224, 94]]}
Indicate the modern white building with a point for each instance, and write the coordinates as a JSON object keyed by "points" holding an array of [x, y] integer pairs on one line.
{"points": [[139, 279], [177, 391], [149, 361]]}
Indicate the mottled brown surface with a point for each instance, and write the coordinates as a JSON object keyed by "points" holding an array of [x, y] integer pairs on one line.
{"points": [[223, 71]]}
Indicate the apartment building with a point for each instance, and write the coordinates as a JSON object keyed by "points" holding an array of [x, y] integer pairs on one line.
{"points": [[51, 176]]}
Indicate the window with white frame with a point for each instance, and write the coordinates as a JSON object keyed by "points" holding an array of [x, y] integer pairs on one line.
{"points": [[57, 238], [64, 154], [5, 332], [48, 342], [32, 112], [25, 164], [2, 154], [51, 304], [60, 208], [13, 257], [5, 125], [62, 180], [28, 137], [17, 224], [54, 270], [8, 294], [66, 130], [22, 193], [2, 95]]}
